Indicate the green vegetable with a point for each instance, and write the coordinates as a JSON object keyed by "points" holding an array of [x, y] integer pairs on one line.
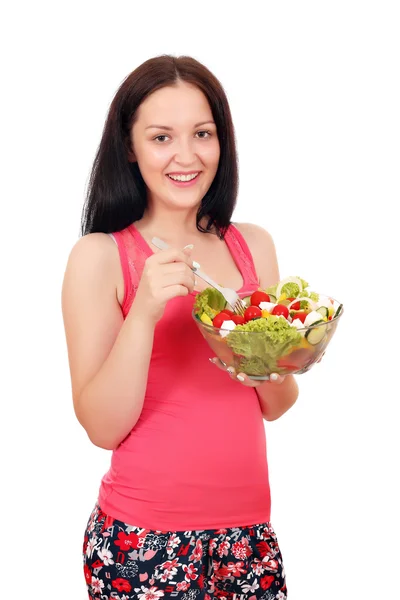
{"points": [[290, 289], [250, 366], [259, 351], [210, 301], [312, 295]]}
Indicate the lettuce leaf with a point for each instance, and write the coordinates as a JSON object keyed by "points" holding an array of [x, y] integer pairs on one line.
{"points": [[260, 352], [209, 301]]}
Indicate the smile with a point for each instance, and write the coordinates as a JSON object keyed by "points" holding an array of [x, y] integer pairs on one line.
{"points": [[183, 177]]}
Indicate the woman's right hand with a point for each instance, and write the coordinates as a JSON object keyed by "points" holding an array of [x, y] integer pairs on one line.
{"points": [[166, 274]]}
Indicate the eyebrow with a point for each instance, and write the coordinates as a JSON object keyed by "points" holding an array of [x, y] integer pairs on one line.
{"points": [[171, 128]]}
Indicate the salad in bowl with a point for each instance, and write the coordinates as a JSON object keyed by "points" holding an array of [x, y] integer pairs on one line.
{"points": [[285, 328]]}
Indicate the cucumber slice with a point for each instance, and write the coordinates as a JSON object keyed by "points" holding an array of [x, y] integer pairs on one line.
{"points": [[315, 335], [338, 311], [247, 300], [323, 310]]}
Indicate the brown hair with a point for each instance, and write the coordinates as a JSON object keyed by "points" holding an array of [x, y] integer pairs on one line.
{"points": [[116, 195]]}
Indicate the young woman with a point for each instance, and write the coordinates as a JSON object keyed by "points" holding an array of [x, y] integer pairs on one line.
{"points": [[184, 510]]}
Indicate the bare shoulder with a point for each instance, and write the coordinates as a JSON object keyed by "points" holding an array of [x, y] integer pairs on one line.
{"points": [[92, 249], [95, 256], [263, 251], [255, 235], [90, 307]]}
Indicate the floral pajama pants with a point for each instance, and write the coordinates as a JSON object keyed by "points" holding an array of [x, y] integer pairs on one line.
{"points": [[124, 562]]}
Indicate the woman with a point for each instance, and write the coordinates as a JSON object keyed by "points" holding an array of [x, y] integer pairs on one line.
{"points": [[184, 510]]}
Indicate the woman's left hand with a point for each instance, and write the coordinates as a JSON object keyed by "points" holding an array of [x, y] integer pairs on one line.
{"points": [[243, 378]]}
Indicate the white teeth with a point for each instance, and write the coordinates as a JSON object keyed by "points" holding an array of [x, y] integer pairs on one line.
{"points": [[183, 177]]}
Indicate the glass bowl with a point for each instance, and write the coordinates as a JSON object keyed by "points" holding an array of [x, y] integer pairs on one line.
{"points": [[253, 352]]}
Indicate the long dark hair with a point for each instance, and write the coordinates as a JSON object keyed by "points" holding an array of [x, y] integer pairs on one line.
{"points": [[116, 195]]}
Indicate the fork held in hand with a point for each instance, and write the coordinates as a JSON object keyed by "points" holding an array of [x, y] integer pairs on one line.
{"points": [[230, 295]]}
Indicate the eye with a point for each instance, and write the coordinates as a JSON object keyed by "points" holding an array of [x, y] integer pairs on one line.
{"points": [[158, 137], [204, 137]]}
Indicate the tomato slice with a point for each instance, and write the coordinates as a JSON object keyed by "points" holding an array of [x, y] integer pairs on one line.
{"points": [[238, 319], [252, 312], [300, 315], [220, 318], [258, 297], [280, 310], [295, 306]]}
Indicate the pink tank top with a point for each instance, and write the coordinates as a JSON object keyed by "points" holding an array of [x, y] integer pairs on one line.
{"points": [[196, 458]]}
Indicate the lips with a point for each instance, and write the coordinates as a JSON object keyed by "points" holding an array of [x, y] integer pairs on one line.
{"points": [[185, 181], [184, 184], [183, 172]]}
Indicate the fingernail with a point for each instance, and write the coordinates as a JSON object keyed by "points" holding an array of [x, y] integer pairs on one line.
{"points": [[274, 377], [189, 247], [240, 378], [195, 265], [231, 370], [224, 363], [212, 360]]}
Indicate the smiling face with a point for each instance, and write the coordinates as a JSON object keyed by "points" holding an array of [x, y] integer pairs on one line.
{"points": [[175, 134]]}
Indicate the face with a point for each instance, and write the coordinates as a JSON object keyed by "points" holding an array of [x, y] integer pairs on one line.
{"points": [[175, 134]]}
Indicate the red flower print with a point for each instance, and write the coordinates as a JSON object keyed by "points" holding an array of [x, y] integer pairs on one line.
{"points": [[223, 594], [270, 565], [127, 542], [223, 572], [223, 549], [236, 569], [211, 546], [88, 574], [267, 581], [200, 581], [182, 586], [264, 549], [170, 564], [241, 549], [97, 564], [190, 571], [122, 585], [108, 521], [197, 553]]}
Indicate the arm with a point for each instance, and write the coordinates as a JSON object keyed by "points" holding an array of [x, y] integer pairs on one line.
{"points": [[108, 374], [275, 399], [109, 358]]}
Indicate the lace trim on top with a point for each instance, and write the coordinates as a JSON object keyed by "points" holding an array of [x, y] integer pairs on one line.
{"points": [[133, 256], [134, 250], [241, 253]]}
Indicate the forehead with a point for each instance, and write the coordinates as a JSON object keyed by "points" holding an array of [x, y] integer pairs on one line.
{"points": [[174, 105]]}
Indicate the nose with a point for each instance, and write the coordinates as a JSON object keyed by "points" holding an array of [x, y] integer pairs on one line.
{"points": [[185, 154]]}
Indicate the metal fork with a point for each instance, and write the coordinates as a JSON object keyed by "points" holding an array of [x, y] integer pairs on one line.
{"points": [[232, 298]]}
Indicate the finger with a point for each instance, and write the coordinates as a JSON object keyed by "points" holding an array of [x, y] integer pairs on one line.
{"points": [[178, 278], [218, 363], [231, 372], [173, 291], [276, 378], [245, 380], [173, 255], [176, 267]]}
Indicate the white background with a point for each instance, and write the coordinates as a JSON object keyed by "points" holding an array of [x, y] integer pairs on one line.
{"points": [[313, 88]]}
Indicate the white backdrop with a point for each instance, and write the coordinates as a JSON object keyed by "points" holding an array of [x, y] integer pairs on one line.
{"points": [[313, 88]]}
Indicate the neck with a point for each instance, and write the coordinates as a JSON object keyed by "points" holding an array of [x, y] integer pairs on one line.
{"points": [[176, 227]]}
